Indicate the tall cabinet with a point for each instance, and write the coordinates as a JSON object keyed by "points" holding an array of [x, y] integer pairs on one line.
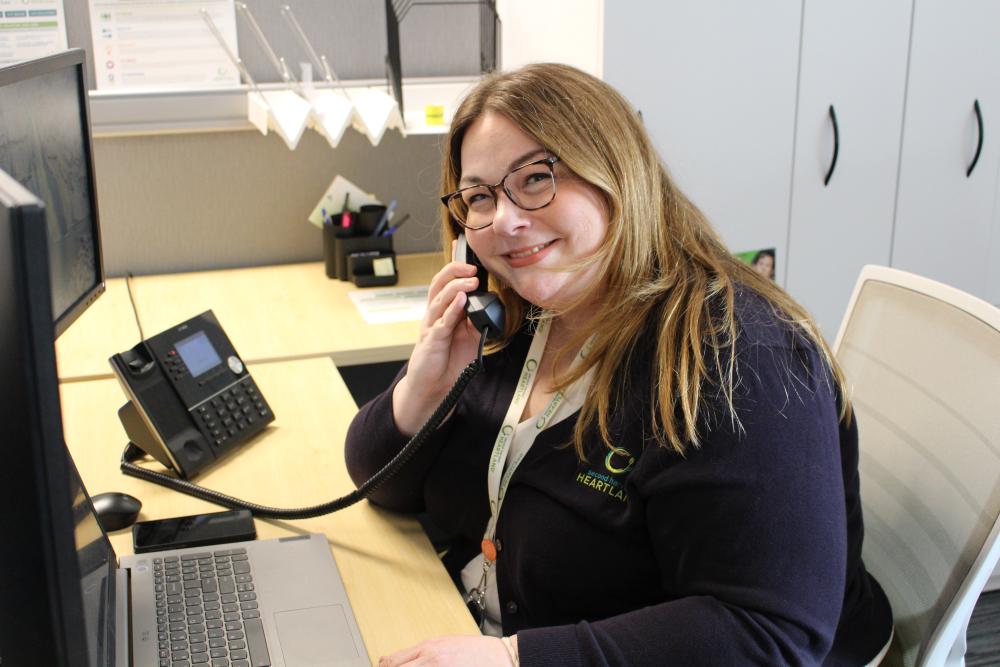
{"points": [[749, 103], [852, 85], [944, 213], [715, 82]]}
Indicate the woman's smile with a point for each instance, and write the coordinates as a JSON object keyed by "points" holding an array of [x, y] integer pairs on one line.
{"points": [[530, 255]]}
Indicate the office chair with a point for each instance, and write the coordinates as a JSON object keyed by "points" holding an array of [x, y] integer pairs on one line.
{"points": [[923, 365]]}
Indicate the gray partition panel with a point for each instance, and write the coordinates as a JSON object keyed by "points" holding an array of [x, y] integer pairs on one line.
{"points": [[187, 202]]}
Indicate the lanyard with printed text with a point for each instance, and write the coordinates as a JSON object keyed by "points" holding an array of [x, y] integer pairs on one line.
{"points": [[513, 442], [511, 450]]}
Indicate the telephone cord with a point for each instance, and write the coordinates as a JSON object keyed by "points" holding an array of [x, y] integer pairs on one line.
{"points": [[132, 453]]}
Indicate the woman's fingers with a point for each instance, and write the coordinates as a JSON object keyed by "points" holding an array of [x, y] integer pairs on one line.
{"points": [[449, 272], [454, 313], [440, 302]]}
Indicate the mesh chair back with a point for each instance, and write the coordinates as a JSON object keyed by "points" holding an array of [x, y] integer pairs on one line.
{"points": [[923, 364]]}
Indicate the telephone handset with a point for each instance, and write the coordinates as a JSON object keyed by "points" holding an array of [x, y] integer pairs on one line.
{"points": [[483, 308], [191, 399]]}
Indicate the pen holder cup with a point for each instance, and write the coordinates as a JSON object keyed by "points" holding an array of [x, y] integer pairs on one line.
{"points": [[330, 232], [368, 218]]}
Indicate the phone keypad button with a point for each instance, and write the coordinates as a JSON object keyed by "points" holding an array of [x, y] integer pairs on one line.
{"points": [[229, 416]]}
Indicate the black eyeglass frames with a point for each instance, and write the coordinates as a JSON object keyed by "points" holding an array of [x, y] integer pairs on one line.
{"points": [[530, 187]]}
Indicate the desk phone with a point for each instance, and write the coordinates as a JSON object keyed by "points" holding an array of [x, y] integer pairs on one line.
{"points": [[191, 399]]}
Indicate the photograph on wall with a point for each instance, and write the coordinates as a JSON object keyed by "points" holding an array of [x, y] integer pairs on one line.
{"points": [[763, 261]]}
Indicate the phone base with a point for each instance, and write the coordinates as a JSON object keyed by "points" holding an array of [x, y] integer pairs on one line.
{"points": [[140, 436]]}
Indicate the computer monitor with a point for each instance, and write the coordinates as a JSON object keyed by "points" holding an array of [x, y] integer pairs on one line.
{"points": [[36, 623], [45, 145]]}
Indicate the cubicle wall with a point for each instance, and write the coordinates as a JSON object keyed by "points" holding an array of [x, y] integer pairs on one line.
{"points": [[185, 202]]}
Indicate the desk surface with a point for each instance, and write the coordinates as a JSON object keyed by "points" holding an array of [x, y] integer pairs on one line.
{"points": [[270, 312], [398, 587], [108, 326]]}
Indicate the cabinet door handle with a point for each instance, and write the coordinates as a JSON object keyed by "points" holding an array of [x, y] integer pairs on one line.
{"points": [[979, 145], [836, 146]]}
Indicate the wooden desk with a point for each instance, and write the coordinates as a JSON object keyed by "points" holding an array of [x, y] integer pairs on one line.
{"points": [[105, 328], [398, 587], [290, 311], [284, 312]]}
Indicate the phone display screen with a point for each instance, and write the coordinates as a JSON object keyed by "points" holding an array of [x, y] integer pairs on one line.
{"points": [[198, 354]]}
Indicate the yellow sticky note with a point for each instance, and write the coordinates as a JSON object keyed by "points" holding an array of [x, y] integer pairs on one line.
{"points": [[434, 114], [383, 266]]}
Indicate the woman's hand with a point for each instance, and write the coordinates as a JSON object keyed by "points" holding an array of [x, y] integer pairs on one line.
{"points": [[447, 343], [452, 652]]}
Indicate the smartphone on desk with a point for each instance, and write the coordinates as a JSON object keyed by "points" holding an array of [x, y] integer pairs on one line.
{"points": [[193, 531], [483, 307]]}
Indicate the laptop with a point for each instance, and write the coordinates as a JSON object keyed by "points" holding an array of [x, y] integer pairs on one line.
{"points": [[278, 602]]}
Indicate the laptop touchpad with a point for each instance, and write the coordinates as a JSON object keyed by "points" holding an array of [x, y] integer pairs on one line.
{"points": [[314, 637]]}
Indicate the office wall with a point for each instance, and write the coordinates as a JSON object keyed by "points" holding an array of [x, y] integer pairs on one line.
{"points": [[186, 202]]}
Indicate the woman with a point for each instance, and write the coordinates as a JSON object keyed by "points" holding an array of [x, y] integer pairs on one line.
{"points": [[657, 465]]}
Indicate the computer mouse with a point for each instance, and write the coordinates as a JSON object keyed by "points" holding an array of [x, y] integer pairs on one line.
{"points": [[116, 510]]}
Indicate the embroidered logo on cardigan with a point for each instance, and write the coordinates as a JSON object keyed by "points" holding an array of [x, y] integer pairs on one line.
{"points": [[605, 483], [623, 454]]}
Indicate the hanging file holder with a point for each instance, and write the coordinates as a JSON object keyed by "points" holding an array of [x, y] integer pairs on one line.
{"points": [[282, 111], [333, 111], [373, 111]]}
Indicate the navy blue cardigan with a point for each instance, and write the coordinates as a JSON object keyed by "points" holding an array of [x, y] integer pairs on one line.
{"points": [[746, 550]]}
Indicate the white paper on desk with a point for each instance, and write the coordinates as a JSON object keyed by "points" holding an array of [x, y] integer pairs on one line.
{"points": [[391, 304], [333, 199], [161, 44], [31, 31]]}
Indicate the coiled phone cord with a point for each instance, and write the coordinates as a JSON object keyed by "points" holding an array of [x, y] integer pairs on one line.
{"points": [[132, 453]]}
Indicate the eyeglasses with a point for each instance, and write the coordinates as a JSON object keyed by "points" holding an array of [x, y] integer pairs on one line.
{"points": [[530, 187]]}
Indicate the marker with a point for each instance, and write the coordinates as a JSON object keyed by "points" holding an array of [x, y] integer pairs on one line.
{"points": [[384, 220], [345, 214], [392, 230]]}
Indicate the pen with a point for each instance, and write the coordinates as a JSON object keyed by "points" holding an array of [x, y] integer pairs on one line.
{"points": [[392, 230], [384, 220]]}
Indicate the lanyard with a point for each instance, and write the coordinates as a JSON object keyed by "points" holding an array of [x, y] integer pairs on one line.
{"points": [[515, 439]]}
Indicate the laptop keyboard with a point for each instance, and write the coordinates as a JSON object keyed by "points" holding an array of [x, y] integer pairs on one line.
{"points": [[206, 611]]}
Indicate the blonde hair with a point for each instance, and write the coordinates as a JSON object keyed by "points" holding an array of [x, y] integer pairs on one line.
{"points": [[662, 261]]}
